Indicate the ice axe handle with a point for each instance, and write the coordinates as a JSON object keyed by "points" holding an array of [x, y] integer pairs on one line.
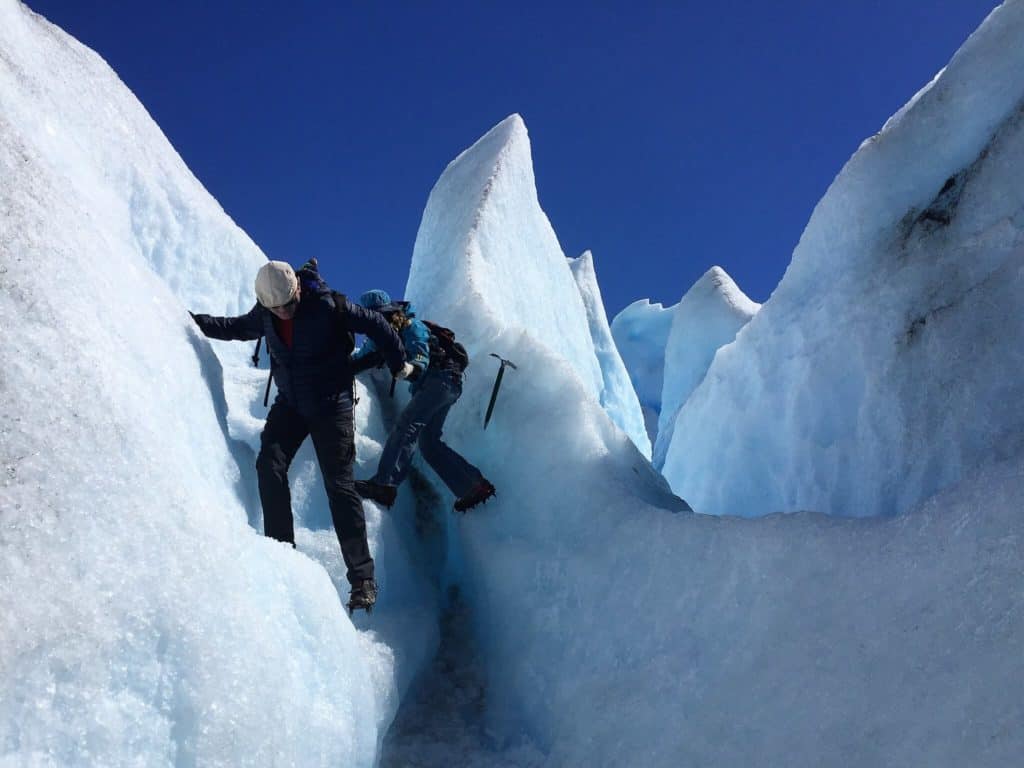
{"points": [[497, 386]]}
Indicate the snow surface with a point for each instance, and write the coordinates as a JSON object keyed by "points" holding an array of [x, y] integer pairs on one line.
{"points": [[886, 365], [708, 317], [617, 395], [144, 621], [641, 332]]}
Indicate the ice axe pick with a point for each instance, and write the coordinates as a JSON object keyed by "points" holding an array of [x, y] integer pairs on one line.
{"points": [[497, 386]]}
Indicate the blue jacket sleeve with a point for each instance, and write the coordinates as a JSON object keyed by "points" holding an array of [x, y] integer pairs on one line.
{"points": [[242, 328], [372, 324], [416, 338]]}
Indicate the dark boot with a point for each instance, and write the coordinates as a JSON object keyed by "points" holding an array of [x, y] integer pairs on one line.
{"points": [[379, 492], [362, 596], [481, 492]]}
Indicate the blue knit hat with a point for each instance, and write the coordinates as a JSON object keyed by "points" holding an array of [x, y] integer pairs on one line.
{"points": [[375, 299]]}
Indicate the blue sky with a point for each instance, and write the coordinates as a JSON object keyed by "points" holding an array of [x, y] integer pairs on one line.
{"points": [[667, 137]]}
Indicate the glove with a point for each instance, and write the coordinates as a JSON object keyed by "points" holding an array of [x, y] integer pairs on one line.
{"points": [[405, 371]]}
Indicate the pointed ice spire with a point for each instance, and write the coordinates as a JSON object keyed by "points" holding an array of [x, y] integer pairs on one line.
{"points": [[487, 260], [617, 394], [709, 316]]}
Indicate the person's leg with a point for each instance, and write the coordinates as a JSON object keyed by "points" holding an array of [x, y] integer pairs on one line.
{"points": [[459, 475], [401, 443], [334, 439], [282, 435]]}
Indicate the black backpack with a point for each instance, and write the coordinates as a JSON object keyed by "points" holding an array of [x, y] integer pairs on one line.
{"points": [[445, 349], [311, 281]]}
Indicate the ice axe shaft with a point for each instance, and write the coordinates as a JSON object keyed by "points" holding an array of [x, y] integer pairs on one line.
{"points": [[497, 386]]}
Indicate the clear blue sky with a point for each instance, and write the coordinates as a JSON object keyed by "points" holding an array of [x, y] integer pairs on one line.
{"points": [[667, 137]]}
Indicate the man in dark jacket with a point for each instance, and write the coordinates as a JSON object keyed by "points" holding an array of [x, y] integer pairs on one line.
{"points": [[308, 334]]}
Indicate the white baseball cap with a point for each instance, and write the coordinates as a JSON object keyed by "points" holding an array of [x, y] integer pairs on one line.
{"points": [[276, 284]]}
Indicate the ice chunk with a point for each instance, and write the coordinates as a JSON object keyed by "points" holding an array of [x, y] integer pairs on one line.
{"points": [[641, 333], [617, 394], [884, 366], [709, 316], [486, 256]]}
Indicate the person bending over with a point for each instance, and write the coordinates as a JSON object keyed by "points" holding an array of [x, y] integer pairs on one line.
{"points": [[308, 331], [435, 385]]}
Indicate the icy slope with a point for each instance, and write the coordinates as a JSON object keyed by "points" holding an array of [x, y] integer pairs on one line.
{"points": [[886, 365], [617, 394], [709, 316], [144, 621], [614, 632], [641, 332]]}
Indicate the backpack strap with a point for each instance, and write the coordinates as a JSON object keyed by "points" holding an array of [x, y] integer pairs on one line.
{"points": [[348, 338]]}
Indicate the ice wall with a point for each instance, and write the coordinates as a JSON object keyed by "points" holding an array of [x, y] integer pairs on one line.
{"points": [[618, 397], [709, 316], [494, 258], [144, 622], [641, 332], [615, 632], [886, 364]]}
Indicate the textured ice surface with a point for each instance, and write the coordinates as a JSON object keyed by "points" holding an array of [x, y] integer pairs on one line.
{"points": [[886, 365], [641, 333], [495, 260], [144, 622], [615, 632], [709, 316], [617, 395]]}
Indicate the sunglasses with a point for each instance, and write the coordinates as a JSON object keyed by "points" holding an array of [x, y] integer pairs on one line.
{"points": [[288, 305]]}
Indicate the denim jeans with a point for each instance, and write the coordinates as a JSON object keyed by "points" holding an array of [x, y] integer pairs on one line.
{"points": [[422, 422]]}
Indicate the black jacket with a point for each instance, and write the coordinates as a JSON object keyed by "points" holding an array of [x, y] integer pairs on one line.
{"points": [[317, 366]]}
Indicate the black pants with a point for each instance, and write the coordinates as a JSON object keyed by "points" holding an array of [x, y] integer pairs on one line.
{"points": [[334, 440]]}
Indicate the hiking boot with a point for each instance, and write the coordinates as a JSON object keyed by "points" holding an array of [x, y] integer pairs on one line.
{"points": [[362, 596], [481, 492], [379, 492]]}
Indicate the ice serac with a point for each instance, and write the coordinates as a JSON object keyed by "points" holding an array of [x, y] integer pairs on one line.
{"points": [[494, 259], [641, 332], [614, 632], [708, 317], [886, 364], [144, 621], [618, 397]]}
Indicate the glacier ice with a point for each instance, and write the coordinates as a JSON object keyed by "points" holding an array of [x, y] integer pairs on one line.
{"points": [[667, 350], [615, 632], [151, 625], [708, 316], [490, 266], [641, 332], [144, 621], [617, 394], [880, 370]]}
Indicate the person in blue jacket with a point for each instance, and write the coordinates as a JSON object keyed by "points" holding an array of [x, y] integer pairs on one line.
{"points": [[308, 330], [435, 386]]}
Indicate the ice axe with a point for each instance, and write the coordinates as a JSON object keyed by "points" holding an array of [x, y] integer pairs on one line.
{"points": [[497, 386]]}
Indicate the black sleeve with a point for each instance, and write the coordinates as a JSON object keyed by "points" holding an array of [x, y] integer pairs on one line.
{"points": [[373, 324], [242, 328], [365, 362]]}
